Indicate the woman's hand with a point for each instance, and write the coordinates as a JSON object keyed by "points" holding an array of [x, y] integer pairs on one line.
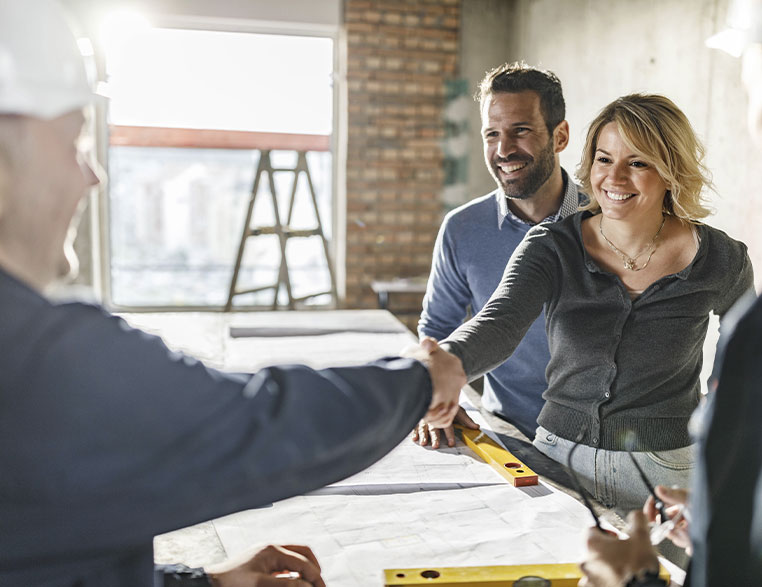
{"points": [[675, 505]]}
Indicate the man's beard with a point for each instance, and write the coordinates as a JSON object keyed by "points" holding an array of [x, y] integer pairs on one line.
{"points": [[537, 173]]}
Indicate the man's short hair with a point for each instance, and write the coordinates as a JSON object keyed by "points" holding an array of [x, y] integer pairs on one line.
{"points": [[519, 77]]}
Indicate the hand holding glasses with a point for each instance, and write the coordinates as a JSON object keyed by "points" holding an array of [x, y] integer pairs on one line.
{"points": [[659, 531], [667, 523]]}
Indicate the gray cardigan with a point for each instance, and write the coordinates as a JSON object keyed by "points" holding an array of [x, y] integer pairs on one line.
{"points": [[616, 364]]}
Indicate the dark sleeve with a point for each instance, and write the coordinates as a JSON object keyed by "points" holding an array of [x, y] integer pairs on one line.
{"points": [[725, 501], [490, 337], [132, 440]]}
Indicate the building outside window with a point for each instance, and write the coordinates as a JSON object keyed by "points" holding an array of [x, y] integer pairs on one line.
{"points": [[178, 196]]}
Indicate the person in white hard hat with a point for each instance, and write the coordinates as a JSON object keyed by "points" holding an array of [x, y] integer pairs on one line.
{"points": [[106, 437], [725, 504]]}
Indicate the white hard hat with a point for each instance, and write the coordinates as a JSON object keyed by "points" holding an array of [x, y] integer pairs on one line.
{"points": [[744, 27], [42, 71]]}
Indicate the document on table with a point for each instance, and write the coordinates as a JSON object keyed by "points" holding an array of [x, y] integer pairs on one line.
{"points": [[417, 507]]}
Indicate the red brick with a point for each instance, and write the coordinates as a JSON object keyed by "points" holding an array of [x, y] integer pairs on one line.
{"points": [[400, 53]]}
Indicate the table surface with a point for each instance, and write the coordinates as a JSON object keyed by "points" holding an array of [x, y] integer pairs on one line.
{"points": [[524, 525]]}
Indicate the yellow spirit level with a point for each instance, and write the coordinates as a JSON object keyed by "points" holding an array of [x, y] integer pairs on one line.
{"points": [[498, 458], [554, 575]]}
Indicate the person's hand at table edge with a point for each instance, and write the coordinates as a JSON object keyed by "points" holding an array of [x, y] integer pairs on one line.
{"points": [[297, 565], [425, 432]]}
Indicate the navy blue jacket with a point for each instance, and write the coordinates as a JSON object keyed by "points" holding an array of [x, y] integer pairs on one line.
{"points": [[108, 438], [726, 529]]}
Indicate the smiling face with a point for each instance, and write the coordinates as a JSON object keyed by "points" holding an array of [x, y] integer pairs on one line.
{"points": [[625, 184], [518, 149]]}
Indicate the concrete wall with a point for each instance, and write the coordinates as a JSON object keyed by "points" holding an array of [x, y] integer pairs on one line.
{"points": [[604, 50], [488, 37], [400, 55]]}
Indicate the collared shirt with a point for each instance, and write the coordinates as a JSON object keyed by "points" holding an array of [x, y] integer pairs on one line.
{"points": [[571, 201]]}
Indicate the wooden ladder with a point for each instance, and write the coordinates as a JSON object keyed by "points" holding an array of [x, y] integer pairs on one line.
{"points": [[283, 231]]}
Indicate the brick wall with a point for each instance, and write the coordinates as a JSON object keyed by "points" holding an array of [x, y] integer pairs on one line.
{"points": [[399, 54]]}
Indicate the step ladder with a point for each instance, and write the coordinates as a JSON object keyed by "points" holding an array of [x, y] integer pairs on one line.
{"points": [[283, 231]]}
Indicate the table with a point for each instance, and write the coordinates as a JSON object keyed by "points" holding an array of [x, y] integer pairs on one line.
{"points": [[383, 288], [414, 508]]}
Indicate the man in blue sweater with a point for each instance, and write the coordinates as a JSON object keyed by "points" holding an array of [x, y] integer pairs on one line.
{"points": [[523, 131]]}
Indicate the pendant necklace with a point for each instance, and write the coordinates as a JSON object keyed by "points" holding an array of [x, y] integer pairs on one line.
{"points": [[627, 261]]}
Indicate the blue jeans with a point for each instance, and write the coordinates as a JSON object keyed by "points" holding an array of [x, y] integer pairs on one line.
{"points": [[610, 476]]}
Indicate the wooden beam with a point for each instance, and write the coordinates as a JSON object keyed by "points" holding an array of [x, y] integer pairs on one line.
{"points": [[147, 136]]}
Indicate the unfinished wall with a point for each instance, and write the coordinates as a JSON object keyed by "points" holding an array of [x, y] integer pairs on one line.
{"points": [[488, 38], [399, 54], [604, 50]]}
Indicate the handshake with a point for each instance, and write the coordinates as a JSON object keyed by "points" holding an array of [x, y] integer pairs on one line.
{"points": [[447, 379]]}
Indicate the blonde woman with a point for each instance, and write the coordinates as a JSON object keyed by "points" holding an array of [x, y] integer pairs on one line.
{"points": [[627, 286]]}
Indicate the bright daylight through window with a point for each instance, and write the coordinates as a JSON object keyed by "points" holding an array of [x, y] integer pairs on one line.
{"points": [[178, 197]]}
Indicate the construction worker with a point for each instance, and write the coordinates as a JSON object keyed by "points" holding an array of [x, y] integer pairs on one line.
{"points": [[106, 437]]}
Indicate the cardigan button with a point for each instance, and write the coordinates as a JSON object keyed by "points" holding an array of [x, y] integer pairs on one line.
{"points": [[595, 440], [607, 394]]}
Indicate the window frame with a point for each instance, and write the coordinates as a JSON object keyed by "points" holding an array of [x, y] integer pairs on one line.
{"points": [[99, 205]]}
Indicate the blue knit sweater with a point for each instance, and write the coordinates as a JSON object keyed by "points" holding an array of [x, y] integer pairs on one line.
{"points": [[474, 245]]}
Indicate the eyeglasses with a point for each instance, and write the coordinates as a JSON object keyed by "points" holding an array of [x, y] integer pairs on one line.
{"points": [[658, 531]]}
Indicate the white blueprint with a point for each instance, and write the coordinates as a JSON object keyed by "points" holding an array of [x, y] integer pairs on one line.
{"points": [[417, 508]]}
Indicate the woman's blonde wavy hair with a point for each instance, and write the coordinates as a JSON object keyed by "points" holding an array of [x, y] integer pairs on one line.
{"points": [[657, 130]]}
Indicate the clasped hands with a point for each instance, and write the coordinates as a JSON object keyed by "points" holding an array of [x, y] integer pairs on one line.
{"points": [[447, 379]]}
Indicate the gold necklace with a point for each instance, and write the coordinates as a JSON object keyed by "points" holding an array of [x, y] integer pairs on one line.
{"points": [[627, 261]]}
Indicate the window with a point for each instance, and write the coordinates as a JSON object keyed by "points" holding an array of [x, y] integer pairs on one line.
{"points": [[178, 196]]}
